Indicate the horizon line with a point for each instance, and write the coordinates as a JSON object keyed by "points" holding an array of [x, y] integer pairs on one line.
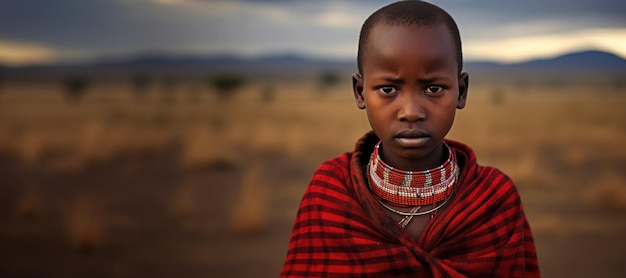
{"points": [[242, 56]]}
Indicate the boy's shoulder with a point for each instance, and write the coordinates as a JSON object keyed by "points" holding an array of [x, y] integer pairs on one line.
{"points": [[337, 167], [339, 162], [493, 173]]}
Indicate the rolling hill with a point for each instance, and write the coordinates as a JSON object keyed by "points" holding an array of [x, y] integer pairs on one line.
{"points": [[295, 66]]}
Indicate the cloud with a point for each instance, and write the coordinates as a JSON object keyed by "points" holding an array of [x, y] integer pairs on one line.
{"points": [[276, 14], [342, 15], [208, 8], [529, 10], [339, 20], [19, 53], [69, 29], [525, 47]]}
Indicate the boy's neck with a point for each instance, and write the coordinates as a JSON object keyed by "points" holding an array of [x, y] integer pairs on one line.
{"points": [[432, 160]]}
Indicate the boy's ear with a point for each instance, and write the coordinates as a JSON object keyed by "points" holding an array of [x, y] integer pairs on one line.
{"points": [[463, 88], [357, 88]]}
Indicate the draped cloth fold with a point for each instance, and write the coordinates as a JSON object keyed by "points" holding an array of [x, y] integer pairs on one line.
{"points": [[342, 230]]}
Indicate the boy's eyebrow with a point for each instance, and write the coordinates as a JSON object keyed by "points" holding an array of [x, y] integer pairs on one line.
{"points": [[431, 79], [391, 79], [399, 80]]}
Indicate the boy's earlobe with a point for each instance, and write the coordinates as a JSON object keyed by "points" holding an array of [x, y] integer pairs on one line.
{"points": [[357, 88], [463, 89]]}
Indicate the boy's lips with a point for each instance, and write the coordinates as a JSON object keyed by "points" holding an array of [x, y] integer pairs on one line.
{"points": [[412, 138]]}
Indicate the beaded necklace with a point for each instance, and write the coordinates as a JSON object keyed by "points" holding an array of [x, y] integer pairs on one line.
{"points": [[412, 188]]}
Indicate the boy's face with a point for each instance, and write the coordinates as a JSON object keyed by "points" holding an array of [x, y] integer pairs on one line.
{"points": [[410, 89]]}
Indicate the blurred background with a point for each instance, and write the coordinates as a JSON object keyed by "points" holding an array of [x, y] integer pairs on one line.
{"points": [[160, 138]]}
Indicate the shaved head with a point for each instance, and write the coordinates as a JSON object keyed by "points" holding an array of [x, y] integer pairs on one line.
{"points": [[409, 13]]}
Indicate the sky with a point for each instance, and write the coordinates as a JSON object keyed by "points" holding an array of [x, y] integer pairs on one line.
{"points": [[46, 31]]}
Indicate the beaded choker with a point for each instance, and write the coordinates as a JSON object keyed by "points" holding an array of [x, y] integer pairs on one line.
{"points": [[409, 188]]}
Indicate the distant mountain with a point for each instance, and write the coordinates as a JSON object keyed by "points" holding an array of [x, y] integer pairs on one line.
{"points": [[591, 59], [582, 68], [211, 61], [577, 61], [585, 59], [290, 66], [185, 67]]}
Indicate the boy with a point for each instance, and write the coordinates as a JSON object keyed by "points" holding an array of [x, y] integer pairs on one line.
{"points": [[407, 202]]}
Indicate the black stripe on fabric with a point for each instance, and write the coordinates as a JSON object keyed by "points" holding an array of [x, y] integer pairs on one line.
{"points": [[399, 272], [381, 259], [305, 224], [493, 204], [503, 223], [329, 172], [347, 212]]}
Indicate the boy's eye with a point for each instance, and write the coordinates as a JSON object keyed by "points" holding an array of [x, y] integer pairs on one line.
{"points": [[387, 90], [433, 89]]}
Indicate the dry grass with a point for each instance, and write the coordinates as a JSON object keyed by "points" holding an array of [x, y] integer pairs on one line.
{"points": [[203, 149], [549, 140], [31, 146], [184, 204], [608, 193], [555, 225], [549, 225], [576, 157], [86, 224], [298, 121], [213, 133], [249, 213], [511, 134], [30, 203], [184, 207]]}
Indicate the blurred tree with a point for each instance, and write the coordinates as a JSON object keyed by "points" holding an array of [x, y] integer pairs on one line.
{"points": [[268, 93], [140, 83], [497, 96], [329, 78], [619, 82], [75, 87], [226, 84], [169, 85]]}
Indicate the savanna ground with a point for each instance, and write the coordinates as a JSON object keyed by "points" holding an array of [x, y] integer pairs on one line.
{"points": [[177, 182]]}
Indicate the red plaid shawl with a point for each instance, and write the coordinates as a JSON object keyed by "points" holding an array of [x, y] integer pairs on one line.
{"points": [[341, 230]]}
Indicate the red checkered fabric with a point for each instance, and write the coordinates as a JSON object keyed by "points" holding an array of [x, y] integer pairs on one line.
{"points": [[342, 231]]}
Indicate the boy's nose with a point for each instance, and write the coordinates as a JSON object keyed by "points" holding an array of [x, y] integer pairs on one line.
{"points": [[411, 108]]}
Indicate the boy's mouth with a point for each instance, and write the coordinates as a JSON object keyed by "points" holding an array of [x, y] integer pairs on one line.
{"points": [[411, 133], [412, 138]]}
